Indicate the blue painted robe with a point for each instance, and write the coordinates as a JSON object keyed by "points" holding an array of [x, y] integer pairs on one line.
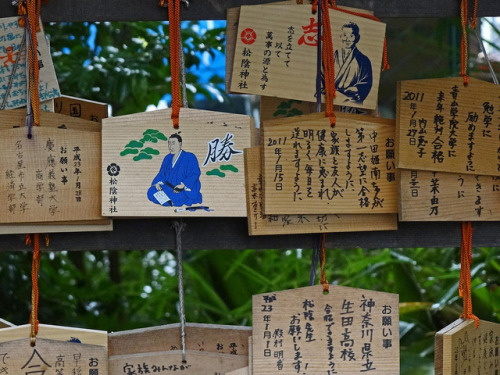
{"points": [[354, 71], [185, 170]]}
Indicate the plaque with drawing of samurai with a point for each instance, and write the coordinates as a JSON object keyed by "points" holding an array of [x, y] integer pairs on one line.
{"points": [[151, 169]]}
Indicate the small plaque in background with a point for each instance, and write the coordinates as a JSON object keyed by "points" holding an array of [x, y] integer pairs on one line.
{"points": [[445, 126], [461, 348], [5, 324], [52, 177], [261, 224], [10, 44], [348, 331], [202, 174], [441, 196], [311, 168], [276, 48], [81, 108], [222, 339]]}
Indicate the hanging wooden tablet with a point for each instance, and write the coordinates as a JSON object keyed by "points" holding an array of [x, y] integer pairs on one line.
{"points": [[56, 333], [211, 338], [241, 371], [100, 225], [81, 108], [445, 126], [11, 36], [311, 168], [441, 196], [348, 331], [207, 178], [276, 50], [461, 348], [16, 118], [58, 350], [196, 363], [261, 224], [52, 177]]}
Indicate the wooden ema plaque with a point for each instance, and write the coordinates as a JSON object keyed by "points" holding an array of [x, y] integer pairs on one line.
{"points": [[11, 35], [211, 338], [302, 331], [261, 224], [276, 49], [463, 349], [52, 177], [5, 324], [81, 108], [441, 196], [443, 126], [50, 357], [151, 169], [196, 363], [241, 371], [16, 118], [311, 168]]}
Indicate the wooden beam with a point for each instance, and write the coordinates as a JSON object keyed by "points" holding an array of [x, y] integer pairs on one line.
{"points": [[132, 10], [231, 233]]}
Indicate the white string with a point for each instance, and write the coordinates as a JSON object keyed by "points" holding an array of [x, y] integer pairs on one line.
{"points": [[179, 227], [483, 50], [183, 76]]}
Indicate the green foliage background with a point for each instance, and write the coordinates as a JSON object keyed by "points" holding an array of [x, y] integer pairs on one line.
{"points": [[123, 290]]}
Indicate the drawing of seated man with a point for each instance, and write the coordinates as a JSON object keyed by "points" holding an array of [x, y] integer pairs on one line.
{"points": [[178, 181], [353, 69]]}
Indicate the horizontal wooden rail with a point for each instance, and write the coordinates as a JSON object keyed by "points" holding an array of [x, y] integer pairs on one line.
{"points": [[148, 10], [230, 233]]}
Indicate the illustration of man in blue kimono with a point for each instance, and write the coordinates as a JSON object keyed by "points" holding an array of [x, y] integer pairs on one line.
{"points": [[178, 181], [353, 70]]}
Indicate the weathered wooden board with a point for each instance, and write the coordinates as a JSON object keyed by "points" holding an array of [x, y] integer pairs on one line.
{"points": [[171, 361], [441, 196], [50, 332], [241, 371], [53, 357], [261, 224], [276, 48], [16, 118], [310, 168], [461, 348], [52, 177], [81, 108], [5, 324], [137, 157], [348, 331], [211, 338], [102, 225], [250, 355], [11, 35], [447, 127]]}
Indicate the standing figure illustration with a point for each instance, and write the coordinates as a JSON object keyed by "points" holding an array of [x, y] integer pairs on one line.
{"points": [[353, 70], [178, 181]]}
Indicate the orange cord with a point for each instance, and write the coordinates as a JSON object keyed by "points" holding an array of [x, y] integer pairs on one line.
{"points": [[323, 280], [35, 270], [463, 45], [464, 287], [175, 40], [33, 11]]}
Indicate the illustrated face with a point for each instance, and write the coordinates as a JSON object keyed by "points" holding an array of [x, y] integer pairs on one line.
{"points": [[348, 38], [174, 146]]}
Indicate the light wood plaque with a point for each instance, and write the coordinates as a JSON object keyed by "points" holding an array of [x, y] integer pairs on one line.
{"points": [[81, 108], [211, 338], [11, 35], [5, 324], [276, 51], [349, 331], [461, 348], [241, 371], [441, 196], [261, 224], [53, 357], [171, 361], [310, 168], [52, 177], [136, 155], [444, 126]]}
